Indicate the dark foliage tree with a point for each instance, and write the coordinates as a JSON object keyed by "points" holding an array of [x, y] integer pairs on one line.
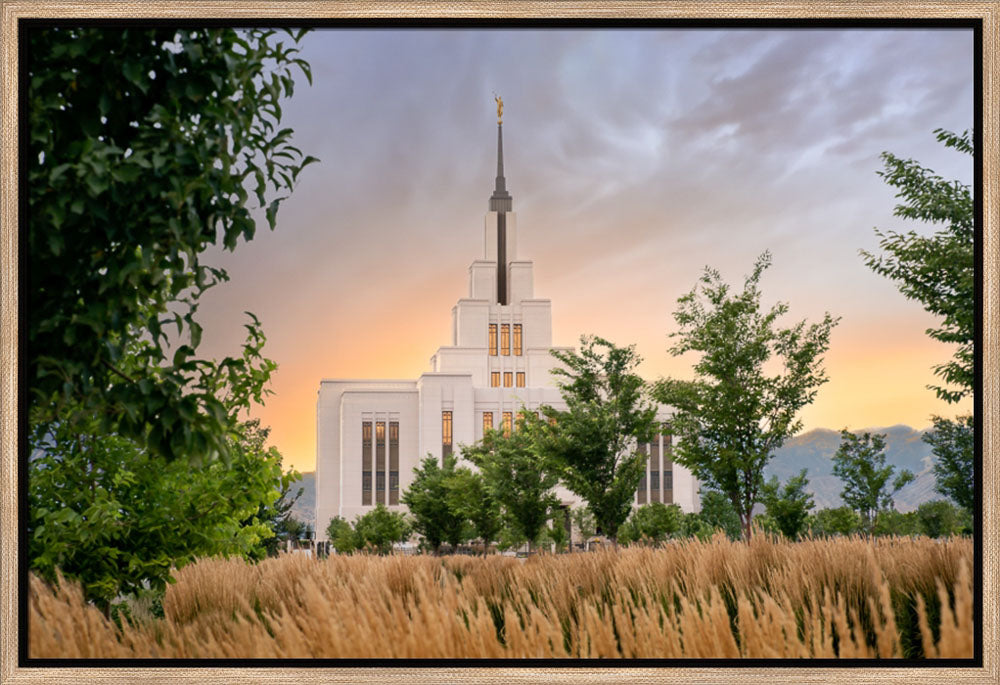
{"points": [[145, 147], [860, 463], [593, 443], [788, 506], [939, 271], [518, 477], [429, 503]]}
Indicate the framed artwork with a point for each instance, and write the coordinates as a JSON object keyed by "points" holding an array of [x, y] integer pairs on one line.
{"points": [[482, 342]]}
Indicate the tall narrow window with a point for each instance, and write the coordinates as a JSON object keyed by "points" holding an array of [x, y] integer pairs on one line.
{"points": [[508, 379], [394, 462], [520, 379], [654, 470], [487, 421], [495, 379], [505, 339], [445, 433], [366, 462], [641, 490], [380, 462], [668, 486], [517, 339], [507, 421], [493, 340]]}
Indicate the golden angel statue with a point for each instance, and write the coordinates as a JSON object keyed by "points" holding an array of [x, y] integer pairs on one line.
{"points": [[499, 108]]}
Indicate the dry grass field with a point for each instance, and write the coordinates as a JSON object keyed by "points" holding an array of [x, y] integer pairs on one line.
{"points": [[819, 598]]}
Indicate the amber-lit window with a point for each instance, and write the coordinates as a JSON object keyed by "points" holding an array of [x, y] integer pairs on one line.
{"points": [[394, 462], [520, 379], [495, 379], [446, 433], [487, 421], [508, 379], [552, 421], [505, 339], [380, 462], [493, 339], [517, 339], [507, 421], [366, 462]]}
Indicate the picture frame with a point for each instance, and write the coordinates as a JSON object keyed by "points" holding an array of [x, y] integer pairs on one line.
{"points": [[11, 604]]}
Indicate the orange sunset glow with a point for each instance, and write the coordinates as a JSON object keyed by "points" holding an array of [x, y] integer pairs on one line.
{"points": [[635, 159]]}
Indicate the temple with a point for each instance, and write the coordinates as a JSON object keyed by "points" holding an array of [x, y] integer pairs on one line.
{"points": [[371, 434]]}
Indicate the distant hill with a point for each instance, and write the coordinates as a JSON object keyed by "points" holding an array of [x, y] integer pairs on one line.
{"points": [[814, 451]]}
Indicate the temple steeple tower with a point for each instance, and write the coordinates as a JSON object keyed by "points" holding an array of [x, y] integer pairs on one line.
{"points": [[501, 202]]}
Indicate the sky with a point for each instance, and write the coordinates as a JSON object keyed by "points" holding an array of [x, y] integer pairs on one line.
{"points": [[635, 159]]}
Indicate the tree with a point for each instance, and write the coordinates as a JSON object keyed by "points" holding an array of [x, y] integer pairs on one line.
{"points": [[583, 519], [593, 443], [892, 522], [427, 499], [654, 522], [144, 148], [471, 498], [519, 478], [342, 536], [106, 511], [556, 531], [277, 515], [788, 506], [939, 271], [380, 529], [734, 415], [953, 443], [835, 521], [939, 518], [717, 511], [860, 463]]}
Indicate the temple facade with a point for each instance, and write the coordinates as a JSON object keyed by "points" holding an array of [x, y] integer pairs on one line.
{"points": [[371, 434]]}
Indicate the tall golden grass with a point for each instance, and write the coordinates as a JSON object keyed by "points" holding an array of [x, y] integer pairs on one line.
{"points": [[817, 598]]}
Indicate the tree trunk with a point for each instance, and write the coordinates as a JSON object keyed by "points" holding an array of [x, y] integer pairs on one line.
{"points": [[747, 527]]}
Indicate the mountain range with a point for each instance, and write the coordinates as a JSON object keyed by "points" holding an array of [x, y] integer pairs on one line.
{"points": [[812, 450]]}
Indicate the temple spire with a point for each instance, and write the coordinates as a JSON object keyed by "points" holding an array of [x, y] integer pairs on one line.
{"points": [[501, 200]]}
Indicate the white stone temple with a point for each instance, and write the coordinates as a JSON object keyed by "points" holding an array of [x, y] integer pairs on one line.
{"points": [[371, 434]]}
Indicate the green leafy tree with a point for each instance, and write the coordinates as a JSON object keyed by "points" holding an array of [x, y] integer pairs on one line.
{"points": [[788, 507], [860, 463], [583, 520], [939, 271], [145, 147], [953, 443], [893, 522], [654, 522], [379, 529], [106, 511], [730, 420], [277, 515], [835, 521], [939, 519], [694, 526], [471, 498], [519, 478], [718, 513], [556, 531], [342, 536], [593, 443], [431, 506]]}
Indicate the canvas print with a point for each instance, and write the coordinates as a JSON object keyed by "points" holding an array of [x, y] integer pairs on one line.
{"points": [[558, 343]]}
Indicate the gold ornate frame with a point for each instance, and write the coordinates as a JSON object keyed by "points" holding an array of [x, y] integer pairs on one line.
{"points": [[12, 10]]}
